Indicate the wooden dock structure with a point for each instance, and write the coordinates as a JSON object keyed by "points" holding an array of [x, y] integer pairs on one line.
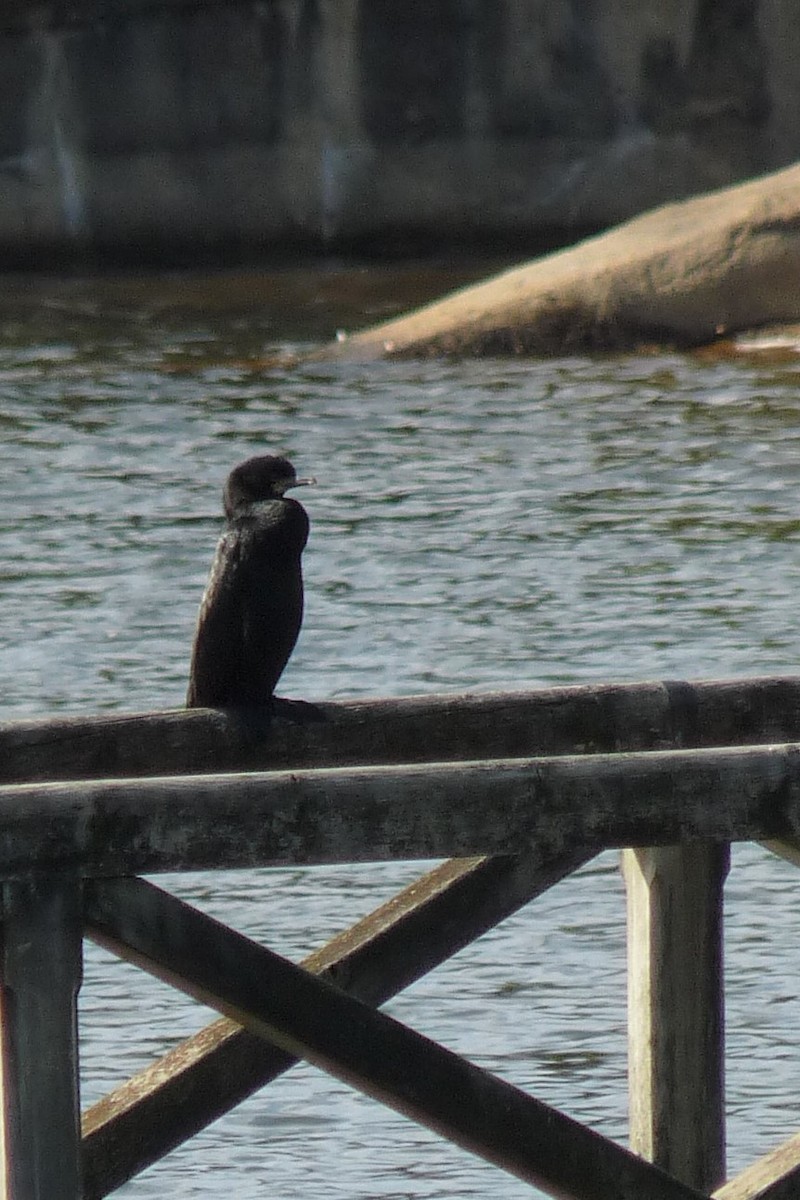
{"points": [[512, 791]]}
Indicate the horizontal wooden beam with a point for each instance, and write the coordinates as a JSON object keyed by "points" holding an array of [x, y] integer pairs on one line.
{"points": [[570, 720], [205, 1075], [361, 814], [308, 1017]]}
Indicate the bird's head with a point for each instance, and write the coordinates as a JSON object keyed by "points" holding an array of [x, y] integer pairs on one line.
{"points": [[265, 477]]}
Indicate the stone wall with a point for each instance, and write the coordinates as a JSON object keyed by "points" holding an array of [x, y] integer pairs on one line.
{"points": [[168, 130]]}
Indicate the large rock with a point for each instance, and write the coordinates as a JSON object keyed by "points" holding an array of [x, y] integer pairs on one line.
{"points": [[684, 274]]}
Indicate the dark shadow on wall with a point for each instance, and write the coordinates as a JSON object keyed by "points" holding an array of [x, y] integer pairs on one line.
{"points": [[179, 80], [413, 69], [426, 70], [724, 81]]}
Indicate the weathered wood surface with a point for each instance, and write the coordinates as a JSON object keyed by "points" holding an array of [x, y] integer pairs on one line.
{"points": [[368, 814], [570, 720], [41, 973], [208, 1073], [676, 1027], [308, 1017], [788, 849], [774, 1176]]}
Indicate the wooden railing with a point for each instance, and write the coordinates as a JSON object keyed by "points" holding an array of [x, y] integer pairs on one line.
{"points": [[513, 791]]}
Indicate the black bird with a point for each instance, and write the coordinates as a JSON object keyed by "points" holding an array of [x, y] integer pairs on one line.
{"points": [[252, 607]]}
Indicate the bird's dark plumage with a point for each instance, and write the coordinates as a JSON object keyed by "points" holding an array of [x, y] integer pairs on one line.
{"points": [[252, 607]]}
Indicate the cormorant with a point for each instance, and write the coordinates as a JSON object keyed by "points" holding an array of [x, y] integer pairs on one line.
{"points": [[252, 607]]}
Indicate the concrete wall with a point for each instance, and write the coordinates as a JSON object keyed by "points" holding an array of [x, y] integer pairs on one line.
{"points": [[145, 129]]}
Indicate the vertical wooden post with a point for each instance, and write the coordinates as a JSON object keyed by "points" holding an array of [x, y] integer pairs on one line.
{"points": [[41, 974], [676, 1023]]}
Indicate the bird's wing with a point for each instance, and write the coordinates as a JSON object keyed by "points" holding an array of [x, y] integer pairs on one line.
{"points": [[216, 655]]}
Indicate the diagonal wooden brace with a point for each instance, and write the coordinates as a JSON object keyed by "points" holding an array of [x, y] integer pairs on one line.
{"points": [[210, 1072], [310, 1018]]}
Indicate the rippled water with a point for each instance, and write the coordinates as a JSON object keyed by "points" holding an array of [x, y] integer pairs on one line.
{"points": [[477, 525]]}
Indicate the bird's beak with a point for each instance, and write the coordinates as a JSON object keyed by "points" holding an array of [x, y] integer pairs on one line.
{"points": [[302, 482]]}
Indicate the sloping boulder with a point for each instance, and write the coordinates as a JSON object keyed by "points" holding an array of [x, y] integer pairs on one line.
{"points": [[683, 274]]}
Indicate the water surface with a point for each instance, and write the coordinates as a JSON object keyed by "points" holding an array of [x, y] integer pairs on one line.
{"points": [[477, 525]]}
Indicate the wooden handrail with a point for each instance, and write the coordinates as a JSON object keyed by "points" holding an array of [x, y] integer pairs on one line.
{"points": [[596, 718], [423, 811], [676, 769]]}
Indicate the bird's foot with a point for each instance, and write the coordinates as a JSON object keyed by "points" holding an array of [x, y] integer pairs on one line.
{"points": [[298, 712]]}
